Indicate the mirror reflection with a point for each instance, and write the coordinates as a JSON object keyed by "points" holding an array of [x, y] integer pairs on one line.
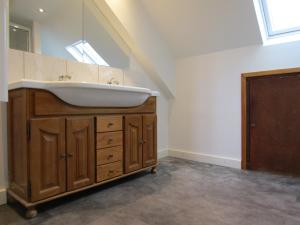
{"points": [[69, 29]]}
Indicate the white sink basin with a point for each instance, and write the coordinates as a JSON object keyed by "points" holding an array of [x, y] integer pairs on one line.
{"points": [[90, 94]]}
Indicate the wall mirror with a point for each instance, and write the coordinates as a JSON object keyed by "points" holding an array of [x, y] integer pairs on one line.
{"points": [[69, 29]]}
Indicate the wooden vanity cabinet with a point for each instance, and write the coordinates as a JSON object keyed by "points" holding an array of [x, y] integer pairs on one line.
{"points": [[61, 155], [133, 143], [149, 140], [140, 142], [56, 149], [47, 154], [80, 152]]}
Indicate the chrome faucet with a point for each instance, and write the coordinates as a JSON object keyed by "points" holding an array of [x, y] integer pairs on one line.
{"points": [[64, 77], [113, 81]]}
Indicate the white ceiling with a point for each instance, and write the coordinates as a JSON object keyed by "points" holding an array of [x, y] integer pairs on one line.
{"points": [[192, 27]]}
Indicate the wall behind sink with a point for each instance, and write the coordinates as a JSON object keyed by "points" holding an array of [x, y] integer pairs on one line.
{"points": [[40, 67]]}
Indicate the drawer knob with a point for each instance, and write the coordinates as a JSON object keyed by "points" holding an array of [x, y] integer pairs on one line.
{"points": [[111, 171], [110, 156], [110, 141], [110, 124]]}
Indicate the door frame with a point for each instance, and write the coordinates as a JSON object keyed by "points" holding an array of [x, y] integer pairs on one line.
{"points": [[245, 77]]}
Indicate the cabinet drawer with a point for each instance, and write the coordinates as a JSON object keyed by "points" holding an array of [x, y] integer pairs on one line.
{"points": [[109, 139], [109, 123], [109, 155], [109, 171]]}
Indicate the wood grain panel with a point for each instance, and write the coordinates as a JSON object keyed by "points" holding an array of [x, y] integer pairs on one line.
{"points": [[48, 158], [274, 121], [109, 155], [109, 171], [247, 128], [17, 143], [244, 122], [133, 143], [109, 123], [149, 140], [109, 139], [80, 152]]}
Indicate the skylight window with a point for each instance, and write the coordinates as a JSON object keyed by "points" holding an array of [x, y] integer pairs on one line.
{"points": [[82, 51], [279, 20]]}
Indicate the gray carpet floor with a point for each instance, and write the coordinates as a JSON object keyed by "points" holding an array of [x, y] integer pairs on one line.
{"points": [[182, 192]]}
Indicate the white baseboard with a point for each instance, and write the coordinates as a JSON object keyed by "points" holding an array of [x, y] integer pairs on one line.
{"points": [[2, 196], [205, 158], [162, 153]]}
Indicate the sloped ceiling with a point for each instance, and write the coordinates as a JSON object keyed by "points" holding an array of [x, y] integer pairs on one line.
{"points": [[193, 27]]}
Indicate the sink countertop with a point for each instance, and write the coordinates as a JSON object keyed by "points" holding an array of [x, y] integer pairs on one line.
{"points": [[39, 84], [87, 94]]}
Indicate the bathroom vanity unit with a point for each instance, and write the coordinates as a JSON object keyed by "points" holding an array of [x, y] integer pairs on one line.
{"points": [[56, 148]]}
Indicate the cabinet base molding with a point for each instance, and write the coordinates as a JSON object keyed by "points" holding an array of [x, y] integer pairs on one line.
{"points": [[31, 205]]}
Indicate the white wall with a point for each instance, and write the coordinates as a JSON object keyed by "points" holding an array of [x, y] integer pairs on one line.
{"points": [[136, 21], [205, 116]]}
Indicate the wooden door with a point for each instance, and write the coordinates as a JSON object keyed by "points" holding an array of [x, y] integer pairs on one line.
{"points": [[133, 143], [149, 140], [80, 152], [274, 124], [47, 158]]}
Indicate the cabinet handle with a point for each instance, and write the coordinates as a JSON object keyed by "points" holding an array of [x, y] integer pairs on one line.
{"points": [[110, 156], [141, 142], [110, 124], [70, 155]]}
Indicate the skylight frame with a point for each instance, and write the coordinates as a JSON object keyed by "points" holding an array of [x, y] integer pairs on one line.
{"points": [[272, 38], [267, 21], [83, 52]]}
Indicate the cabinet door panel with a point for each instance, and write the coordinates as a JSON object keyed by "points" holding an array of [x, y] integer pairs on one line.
{"points": [[80, 152], [133, 143], [47, 155], [150, 143]]}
